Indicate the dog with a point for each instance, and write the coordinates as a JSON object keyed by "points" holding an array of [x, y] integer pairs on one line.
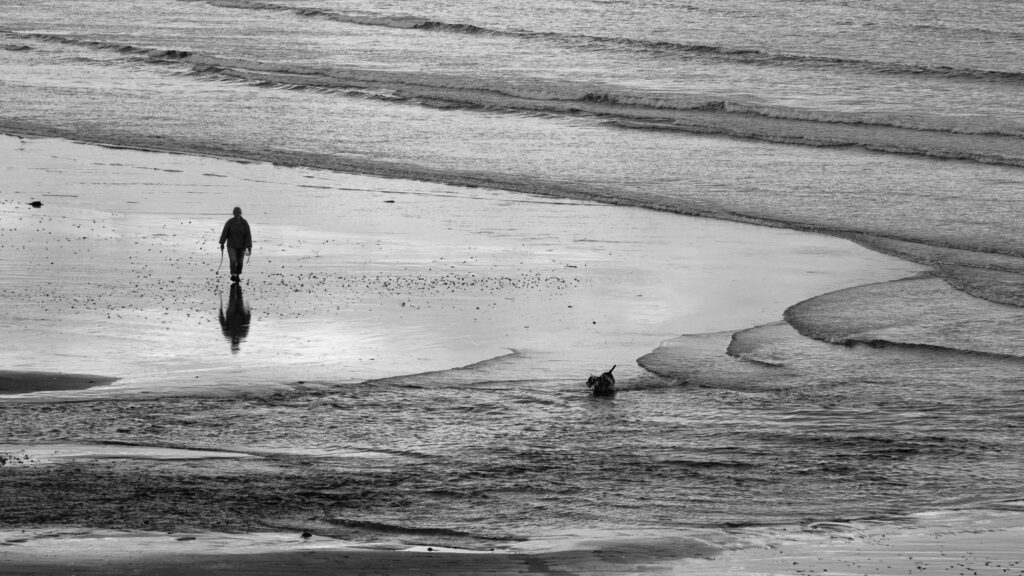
{"points": [[603, 385]]}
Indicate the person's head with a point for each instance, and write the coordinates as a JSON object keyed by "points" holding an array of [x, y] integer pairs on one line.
{"points": [[237, 212]]}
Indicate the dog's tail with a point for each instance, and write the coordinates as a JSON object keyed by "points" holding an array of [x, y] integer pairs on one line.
{"points": [[612, 368]]}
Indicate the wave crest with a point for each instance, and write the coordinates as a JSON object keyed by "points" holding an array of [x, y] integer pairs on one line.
{"points": [[980, 141], [643, 46]]}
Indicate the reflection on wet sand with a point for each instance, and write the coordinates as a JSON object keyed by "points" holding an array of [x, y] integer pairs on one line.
{"points": [[235, 322]]}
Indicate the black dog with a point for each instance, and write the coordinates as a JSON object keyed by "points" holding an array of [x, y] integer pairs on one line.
{"points": [[603, 385]]}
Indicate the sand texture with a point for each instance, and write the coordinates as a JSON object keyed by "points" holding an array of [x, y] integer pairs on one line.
{"points": [[356, 281]]}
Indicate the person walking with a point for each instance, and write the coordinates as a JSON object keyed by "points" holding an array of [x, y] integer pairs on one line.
{"points": [[239, 240]]}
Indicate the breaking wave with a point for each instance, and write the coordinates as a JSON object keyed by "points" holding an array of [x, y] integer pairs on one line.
{"points": [[656, 47], [985, 141]]}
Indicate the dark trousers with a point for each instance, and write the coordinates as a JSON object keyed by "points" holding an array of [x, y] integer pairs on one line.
{"points": [[235, 255]]}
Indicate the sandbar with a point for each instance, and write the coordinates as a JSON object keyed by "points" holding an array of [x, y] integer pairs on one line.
{"points": [[356, 278]]}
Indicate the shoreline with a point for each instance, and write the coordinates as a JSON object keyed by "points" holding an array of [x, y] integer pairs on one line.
{"points": [[959, 266], [790, 232], [983, 542], [321, 256], [907, 249], [647, 553], [278, 553]]}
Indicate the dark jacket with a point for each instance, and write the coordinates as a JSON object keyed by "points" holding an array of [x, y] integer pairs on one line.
{"points": [[236, 233]]}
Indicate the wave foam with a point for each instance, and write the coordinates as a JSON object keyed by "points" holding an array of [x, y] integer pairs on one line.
{"points": [[981, 141], [643, 46]]}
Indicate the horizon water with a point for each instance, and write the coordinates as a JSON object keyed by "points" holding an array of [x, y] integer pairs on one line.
{"points": [[898, 125]]}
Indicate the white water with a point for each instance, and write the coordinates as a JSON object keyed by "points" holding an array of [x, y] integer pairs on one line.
{"points": [[584, 101]]}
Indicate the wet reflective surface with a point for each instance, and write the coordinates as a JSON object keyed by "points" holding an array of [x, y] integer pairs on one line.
{"points": [[357, 278], [234, 323], [413, 349]]}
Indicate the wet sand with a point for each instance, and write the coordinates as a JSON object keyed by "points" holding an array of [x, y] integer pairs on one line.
{"points": [[13, 382], [356, 278], [974, 543], [983, 543], [172, 554]]}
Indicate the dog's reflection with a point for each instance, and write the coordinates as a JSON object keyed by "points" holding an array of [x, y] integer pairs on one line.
{"points": [[234, 323]]}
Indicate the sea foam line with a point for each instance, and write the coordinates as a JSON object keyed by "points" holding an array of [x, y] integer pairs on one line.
{"points": [[544, 94], [649, 47], [908, 135]]}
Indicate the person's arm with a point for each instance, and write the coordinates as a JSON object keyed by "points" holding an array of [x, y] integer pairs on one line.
{"points": [[248, 238], [224, 235]]}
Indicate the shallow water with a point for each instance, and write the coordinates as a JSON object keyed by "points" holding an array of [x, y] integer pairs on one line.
{"points": [[897, 124], [490, 460], [352, 302]]}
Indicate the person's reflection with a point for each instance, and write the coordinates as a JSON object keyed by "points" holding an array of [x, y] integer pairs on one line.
{"points": [[235, 322]]}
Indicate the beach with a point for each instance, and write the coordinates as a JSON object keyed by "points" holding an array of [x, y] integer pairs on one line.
{"points": [[953, 544], [173, 298], [398, 278], [790, 232]]}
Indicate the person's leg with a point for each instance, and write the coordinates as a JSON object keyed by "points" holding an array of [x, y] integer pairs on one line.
{"points": [[234, 256], [241, 260]]}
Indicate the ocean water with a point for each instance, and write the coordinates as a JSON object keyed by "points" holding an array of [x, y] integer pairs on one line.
{"points": [[899, 125]]}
